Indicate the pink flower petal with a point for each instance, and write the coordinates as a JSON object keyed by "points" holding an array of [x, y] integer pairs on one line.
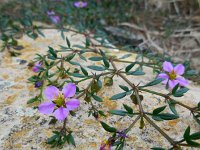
{"points": [[55, 19], [172, 83], [179, 69], [163, 75], [69, 90], [80, 4], [167, 66], [46, 108], [72, 104], [61, 113], [182, 81], [51, 12], [36, 67], [103, 146], [51, 92], [165, 81]]}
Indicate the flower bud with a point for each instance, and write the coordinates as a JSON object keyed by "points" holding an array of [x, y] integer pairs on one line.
{"points": [[38, 84], [141, 123], [108, 81], [96, 115], [87, 98], [36, 68], [95, 87], [134, 98]]}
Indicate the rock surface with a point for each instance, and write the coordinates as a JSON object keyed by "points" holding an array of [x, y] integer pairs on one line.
{"points": [[23, 127]]}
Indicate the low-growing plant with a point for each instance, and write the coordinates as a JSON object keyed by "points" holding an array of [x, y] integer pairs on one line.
{"points": [[58, 69], [58, 75]]}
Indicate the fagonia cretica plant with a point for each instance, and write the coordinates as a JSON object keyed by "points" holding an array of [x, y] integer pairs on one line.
{"points": [[58, 75]]}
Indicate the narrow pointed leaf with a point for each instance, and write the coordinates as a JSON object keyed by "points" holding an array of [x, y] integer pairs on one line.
{"points": [[118, 96], [107, 127], [129, 67]]}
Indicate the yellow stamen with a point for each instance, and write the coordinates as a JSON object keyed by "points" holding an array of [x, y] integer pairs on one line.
{"points": [[172, 75], [60, 100]]}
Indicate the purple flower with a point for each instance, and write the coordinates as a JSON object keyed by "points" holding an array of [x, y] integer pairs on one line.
{"points": [[80, 4], [50, 13], [106, 145], [36, 67], [122, 135], [54, 18], [38, 84], [172, 75], [59, 103]]}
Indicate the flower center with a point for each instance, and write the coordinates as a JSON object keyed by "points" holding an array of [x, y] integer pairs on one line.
{"points": [[81, 4], [60, 100], [172, 75]]}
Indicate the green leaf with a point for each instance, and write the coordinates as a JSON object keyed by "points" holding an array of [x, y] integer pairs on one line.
{"points": [[68, 42], [154, 82], [191, 72], [187, 134], [106, 63], [180, 92], [157, 118], [102, 53], [84, 71], [32, 100], [79, 46], [52, 139], [78, 75], [196, 117], [87, 42], [188, 138], [34, 79], [40, 33], [70, 139], [175, 89], [74, 63], [158, 110], [118, 96], [82, 57], [52, 52], [136, 73], [118, 112], [172, 108], [195, 136], [167, 116], [128, 109], [95, 58], [107, 127], [101, 113], [125, 56], [97, 68], [129, 67], [62, 34], [193, 144], [125, 88], [69, 57], [116, 143], [97, 98]]}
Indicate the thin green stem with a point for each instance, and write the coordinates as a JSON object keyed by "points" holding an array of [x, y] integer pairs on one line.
{"points": [[132, 124], [168, 98], [132, 86]]}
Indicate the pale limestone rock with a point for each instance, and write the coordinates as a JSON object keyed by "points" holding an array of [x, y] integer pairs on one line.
{"points": [[24, 128]]}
